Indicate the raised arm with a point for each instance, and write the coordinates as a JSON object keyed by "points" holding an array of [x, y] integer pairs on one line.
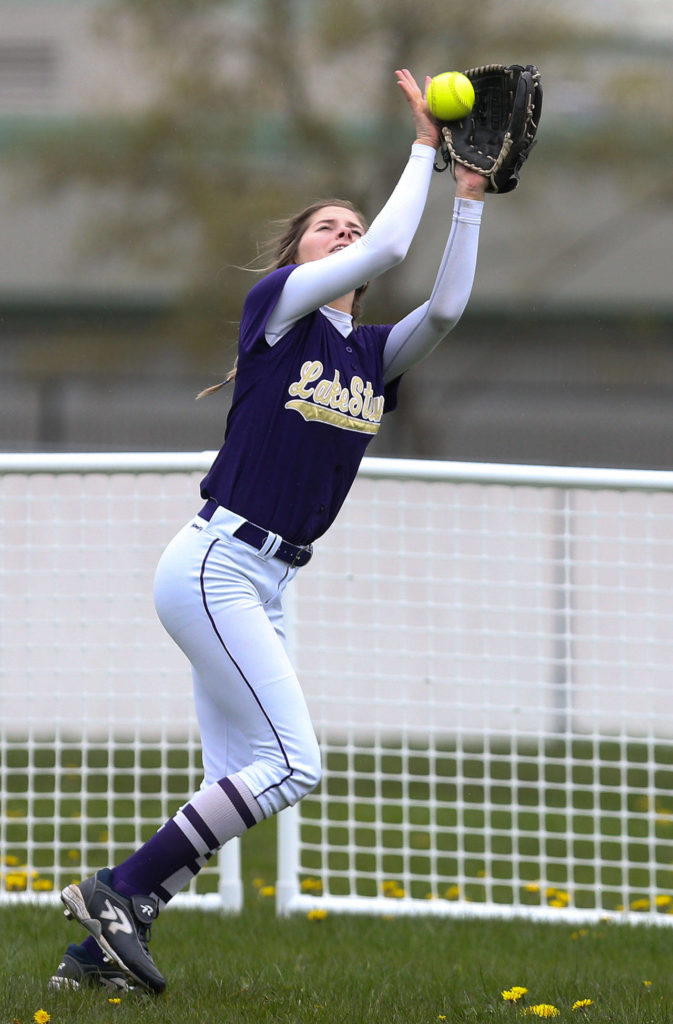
{"points": [[414, 337], [386, 243]]}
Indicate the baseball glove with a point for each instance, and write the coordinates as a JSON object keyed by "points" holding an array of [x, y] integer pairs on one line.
{"points": [[496, 137]]}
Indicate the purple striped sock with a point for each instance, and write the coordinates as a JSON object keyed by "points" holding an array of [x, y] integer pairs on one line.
{"points": [[168, 861]]}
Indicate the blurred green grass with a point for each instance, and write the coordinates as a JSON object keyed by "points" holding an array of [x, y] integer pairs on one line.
{"points": [[590, 819], [579, 817]]}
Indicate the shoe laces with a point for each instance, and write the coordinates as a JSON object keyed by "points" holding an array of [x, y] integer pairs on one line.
{"points": [[144, 936]]}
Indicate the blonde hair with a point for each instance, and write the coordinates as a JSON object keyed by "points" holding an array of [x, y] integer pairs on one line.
{"points": [[216, 387], [281, 251]]}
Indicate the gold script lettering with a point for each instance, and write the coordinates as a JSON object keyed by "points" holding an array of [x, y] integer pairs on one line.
{"points": [[310, 371]]}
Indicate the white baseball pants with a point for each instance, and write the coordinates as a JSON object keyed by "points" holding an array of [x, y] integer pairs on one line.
{"points": [[220, 600]]}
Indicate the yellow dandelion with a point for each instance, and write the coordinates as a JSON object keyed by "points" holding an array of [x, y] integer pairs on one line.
{"points": [[258, 882], [16, 881], [41, 1017], [267, 890], [11, 861], [317, 914], [73, 854], [532, 887], [647, 984], [542, 1010], [42, 885], [442, 1016], [579, 1004], [640, 904], [392, 890], [452, 893], [663, 900], [114, 999], [514, 994], [311, 885]]}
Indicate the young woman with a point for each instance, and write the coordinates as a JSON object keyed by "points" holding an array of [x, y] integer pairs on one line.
{"points": [[310, 390]]}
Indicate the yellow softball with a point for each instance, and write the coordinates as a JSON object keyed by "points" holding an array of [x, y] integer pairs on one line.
{"points": [[450, 96]]}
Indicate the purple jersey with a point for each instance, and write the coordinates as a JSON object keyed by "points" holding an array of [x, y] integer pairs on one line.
{"points": [[302, 414]]}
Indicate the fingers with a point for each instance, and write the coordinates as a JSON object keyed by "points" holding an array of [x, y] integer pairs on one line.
{"points": [[410, 87], [427, 129], [406, 80]]}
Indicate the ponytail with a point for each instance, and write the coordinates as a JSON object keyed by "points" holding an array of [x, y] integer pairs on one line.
{"points": [[216, 387]]}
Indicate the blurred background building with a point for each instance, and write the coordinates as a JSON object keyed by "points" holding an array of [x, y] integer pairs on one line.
{"points": [[145, 147]]}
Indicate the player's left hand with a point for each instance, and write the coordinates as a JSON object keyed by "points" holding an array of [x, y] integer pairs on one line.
{"points": [[496, 137], [427, 128]]}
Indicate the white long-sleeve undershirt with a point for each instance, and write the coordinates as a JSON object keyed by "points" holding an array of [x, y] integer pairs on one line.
{"points": [[415, 336], [386, 243]]}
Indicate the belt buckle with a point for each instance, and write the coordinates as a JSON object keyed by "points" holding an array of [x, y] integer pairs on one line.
{"points": [[308, 549]]}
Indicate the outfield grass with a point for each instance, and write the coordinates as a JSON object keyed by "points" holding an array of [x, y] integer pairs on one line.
{"points": [[256, 968], [594, 818]]}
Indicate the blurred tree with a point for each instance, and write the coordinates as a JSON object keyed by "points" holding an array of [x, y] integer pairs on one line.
{"points": [[257, 108]]}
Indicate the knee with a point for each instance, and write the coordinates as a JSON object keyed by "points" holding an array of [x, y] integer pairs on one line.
{"points": [[298, 778], [308, 775], [305, 773]]}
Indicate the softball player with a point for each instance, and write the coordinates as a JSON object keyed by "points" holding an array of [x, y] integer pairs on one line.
{"points": [[309, 395]]}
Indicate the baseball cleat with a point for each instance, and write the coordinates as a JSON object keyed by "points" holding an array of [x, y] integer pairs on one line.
{"points": [[120, 925], [77, 970]]}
